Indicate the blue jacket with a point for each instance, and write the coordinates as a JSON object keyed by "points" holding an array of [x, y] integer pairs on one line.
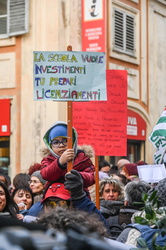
{"points": [[35, 209], [85, 204]]}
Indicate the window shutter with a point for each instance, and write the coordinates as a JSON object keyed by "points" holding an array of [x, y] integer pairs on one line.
{"points": [[124, 32], [129, 34], [18, 17], [118, 30], [3, 25]]}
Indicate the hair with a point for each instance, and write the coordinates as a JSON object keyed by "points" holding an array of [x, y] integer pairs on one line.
{"points": [[21, 179], [11, 206], [114, 170], [24, 189], [34, 167], [134, 190], [103, 163], [116, 183], [7, 179], [63, 219], [122, 178]]}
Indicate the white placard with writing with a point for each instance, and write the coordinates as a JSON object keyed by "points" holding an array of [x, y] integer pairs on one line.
{"points": [[69, 76], [152, 173]]}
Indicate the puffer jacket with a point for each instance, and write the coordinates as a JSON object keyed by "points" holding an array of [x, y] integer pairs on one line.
{"points": [[53, 171]]}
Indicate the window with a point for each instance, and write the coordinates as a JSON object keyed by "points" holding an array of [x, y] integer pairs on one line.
{"points": [[124, 35], [13, 17]]}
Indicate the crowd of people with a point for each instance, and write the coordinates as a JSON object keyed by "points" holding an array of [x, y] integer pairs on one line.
{"points": [[49, 196]]}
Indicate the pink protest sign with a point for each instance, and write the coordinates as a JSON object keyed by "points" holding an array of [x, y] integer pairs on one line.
{"points": [[104, 124]]}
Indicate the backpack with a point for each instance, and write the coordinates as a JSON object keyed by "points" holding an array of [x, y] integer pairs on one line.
{"points": [[119, 222]]}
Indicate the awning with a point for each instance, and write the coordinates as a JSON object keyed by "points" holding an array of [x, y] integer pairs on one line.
{"points": [[136, 126]]}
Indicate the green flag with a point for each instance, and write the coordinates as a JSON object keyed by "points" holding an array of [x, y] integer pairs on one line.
{"points": [[158, 138]]}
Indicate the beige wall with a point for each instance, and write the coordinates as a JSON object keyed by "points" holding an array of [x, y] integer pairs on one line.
{"points": [[55, 24]]}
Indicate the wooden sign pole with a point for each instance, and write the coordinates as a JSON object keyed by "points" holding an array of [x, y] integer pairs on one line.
{"points": [[97, 182], [69, 124]]}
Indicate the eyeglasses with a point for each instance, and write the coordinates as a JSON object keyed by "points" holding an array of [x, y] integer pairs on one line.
{"points": [[57, 143], [54, 204], [35, 182]]}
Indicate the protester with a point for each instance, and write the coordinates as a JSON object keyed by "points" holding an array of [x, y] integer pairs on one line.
{"points": [[16, 234], [83, 223], [133, 204], [21, 179], [23, 197], [7, 205], [68, 196], [122, 162], [113, 170], [154, 226], [5, 179], [133, 192], [111, 194], [37, 185], [55, 195], [111, 189], [62, 220], [130, 171], [58, 155], [102, 175], [104, 167], [121, 177], [161, 191]]}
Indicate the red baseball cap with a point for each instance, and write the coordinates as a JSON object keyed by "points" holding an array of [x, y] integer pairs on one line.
{"points": [[57, 190]]}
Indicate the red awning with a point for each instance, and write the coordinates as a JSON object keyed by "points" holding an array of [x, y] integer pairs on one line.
{"points": [[136, 126]]}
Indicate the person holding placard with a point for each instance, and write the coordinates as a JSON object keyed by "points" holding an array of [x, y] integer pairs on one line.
{"points": [[57, 155]]}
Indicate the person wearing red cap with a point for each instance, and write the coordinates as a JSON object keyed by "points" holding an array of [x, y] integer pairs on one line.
{"points": [[69, 194], [56, 195], [57, 155]]}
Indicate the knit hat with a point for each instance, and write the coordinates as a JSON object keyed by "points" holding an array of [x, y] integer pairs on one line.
{"points": [[38, 175], [103, 175], [57, 131], [130, 168], [141, 163], [57, 190], [161, 192]]}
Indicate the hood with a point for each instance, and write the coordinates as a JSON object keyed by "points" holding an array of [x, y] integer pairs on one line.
{"points": [[110, 208], [88, 150], [46, 138]]}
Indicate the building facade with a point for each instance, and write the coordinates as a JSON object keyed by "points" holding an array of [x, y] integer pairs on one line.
{"points": [[135, 37]]}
